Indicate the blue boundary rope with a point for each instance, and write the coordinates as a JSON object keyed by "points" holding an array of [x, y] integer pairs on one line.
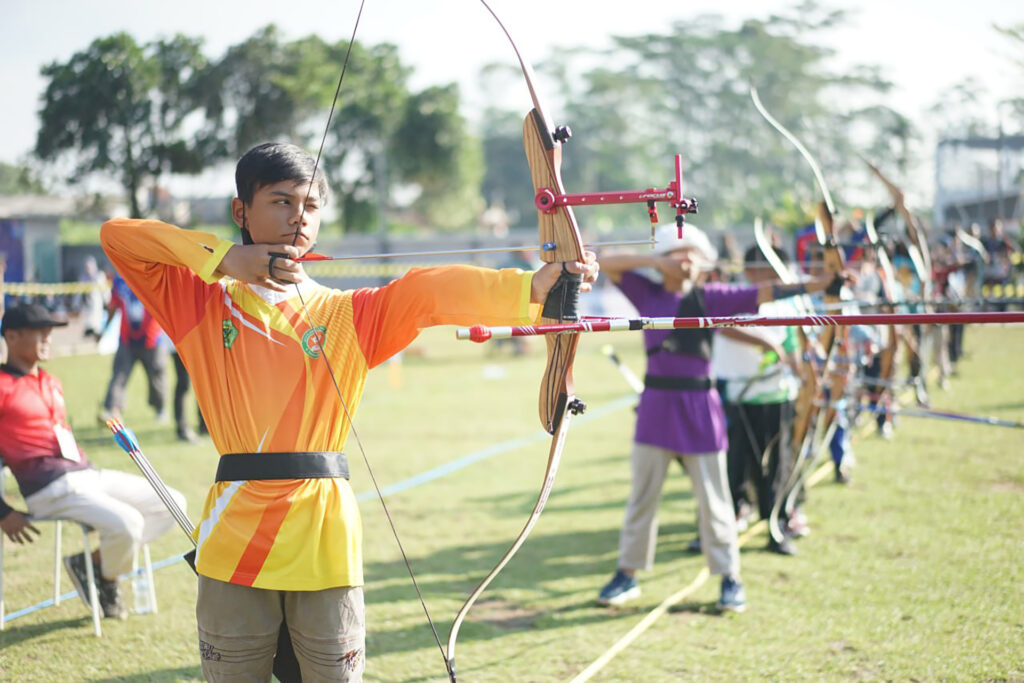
{"points": [[399, 486]]}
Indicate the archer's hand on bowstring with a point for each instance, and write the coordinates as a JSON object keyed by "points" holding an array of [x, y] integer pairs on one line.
{"points": [[263, 265], [546, 277]]}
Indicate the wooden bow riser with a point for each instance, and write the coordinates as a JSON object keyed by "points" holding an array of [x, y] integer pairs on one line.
{"points": [[544, 156]]}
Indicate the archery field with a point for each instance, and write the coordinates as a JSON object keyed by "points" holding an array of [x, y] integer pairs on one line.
{"points": [[914, 571]]}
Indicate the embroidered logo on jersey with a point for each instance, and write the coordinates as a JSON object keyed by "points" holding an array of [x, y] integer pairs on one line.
{"points": [[312, 339], [230, 333]]}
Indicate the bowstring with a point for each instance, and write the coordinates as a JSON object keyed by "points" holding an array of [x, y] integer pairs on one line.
{"points": [[320, 340]]}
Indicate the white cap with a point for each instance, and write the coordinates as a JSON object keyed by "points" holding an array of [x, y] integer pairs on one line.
{"points": [[666, 239]]}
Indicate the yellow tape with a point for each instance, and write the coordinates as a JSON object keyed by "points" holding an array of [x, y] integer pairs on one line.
{"points": [[323, 268], [50, 288], [1008, 291], [340, 269]]}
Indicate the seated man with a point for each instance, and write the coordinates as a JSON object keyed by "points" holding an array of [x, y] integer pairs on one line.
{"points": [[53, 473]]}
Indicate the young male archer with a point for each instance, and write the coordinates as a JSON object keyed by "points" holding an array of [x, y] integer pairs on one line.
{"points": [[279, 542]]}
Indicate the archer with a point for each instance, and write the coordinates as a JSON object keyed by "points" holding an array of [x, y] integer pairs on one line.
{"points": [[680, 415], [279, 546]]}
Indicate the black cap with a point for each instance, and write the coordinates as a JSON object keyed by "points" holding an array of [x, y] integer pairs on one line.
{"points": [[29, 316]]}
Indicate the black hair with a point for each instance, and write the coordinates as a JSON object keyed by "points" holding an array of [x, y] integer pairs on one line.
{"points": [[755, 255], [273, 162]]}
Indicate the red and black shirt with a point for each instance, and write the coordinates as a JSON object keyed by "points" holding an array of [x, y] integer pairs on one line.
{"points": [[30, 407]]}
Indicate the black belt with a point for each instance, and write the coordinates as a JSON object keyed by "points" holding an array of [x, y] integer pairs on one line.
{"points": [[254, 466], [678, 383]]}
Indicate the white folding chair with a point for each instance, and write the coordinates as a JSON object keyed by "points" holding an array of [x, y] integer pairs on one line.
{"points": [[144, 598], [94, 598]]}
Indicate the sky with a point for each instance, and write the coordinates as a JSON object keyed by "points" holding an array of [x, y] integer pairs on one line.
{"points": [[924, 46]]}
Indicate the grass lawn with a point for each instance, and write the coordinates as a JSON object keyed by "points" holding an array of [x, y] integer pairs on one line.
{"points": [[914, 571]]}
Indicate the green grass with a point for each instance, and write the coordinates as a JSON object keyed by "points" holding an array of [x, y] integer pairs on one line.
{"points": [[912, 572]]}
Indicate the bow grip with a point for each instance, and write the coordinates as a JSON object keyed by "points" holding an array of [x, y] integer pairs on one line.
{"points": [[562, 302]]}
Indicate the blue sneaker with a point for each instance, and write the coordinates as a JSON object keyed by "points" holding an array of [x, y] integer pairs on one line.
{"points": [[733, 598], [621, 588]]}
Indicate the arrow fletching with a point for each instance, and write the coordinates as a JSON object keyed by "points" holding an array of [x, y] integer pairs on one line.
{"points": [[124, 437]]}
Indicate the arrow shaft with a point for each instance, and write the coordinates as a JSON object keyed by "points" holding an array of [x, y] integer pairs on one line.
{"points": [[480, 333]]}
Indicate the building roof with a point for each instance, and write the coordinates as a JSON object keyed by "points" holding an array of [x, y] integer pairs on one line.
{"points": [[36, 206]]}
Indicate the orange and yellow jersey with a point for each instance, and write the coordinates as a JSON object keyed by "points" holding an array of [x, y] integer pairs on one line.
{"points": [[262, 387]]}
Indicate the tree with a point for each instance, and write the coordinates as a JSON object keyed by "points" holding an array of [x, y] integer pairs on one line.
{"points": [[381, 136], [685, 90], [120, 107], [19, 180]]}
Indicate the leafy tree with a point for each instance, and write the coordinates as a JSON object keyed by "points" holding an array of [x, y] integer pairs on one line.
{"points": [[686, 90], [119, 107], [432, 149], [381, 135], [19, 180]]}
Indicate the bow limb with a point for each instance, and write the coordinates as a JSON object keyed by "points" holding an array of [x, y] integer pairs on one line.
{"points": [[554, 457], [887, 358], [804, 404], [824, 225], [920, 257]]}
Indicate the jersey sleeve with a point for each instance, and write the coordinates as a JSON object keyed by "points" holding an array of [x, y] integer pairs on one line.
{"points": [[172, 271], [638, 289], [725, 299], [387, 319]]}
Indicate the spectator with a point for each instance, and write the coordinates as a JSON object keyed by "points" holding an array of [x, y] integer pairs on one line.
{"points": [[141, 340], [54, 475]]}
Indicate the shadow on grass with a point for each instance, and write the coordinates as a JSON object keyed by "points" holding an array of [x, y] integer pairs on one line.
{"points": [[521, 503], [541, 569], [704, 609], [12, 635], [184, 673]]}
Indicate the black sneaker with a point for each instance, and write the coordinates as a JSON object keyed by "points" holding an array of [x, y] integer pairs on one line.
{"points": [[110, 600], [783, 547], [620, 589], [75, 565]]}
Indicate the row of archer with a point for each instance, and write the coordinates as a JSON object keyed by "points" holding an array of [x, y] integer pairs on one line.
{"points": [[790, 394]]}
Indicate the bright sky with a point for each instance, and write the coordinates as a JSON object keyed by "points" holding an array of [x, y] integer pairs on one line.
{"points": [[924, 46]]}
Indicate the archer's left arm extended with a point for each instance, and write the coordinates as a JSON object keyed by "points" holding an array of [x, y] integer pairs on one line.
{"points": [[388, 318], [829, 283]]}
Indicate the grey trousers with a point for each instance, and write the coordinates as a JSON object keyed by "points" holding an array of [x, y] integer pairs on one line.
{"points": [[238, 627], [154, 361], [639, 535]]}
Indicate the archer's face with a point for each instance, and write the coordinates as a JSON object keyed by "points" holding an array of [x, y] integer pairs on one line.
{"points": [[690, 261], [279, 211]]}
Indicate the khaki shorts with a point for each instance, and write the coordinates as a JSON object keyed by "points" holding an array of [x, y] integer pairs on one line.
{"points": [[238, 628]]}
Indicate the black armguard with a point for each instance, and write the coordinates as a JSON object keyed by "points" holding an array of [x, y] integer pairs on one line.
{"points": [[836, 286], [563, 299], [783, 291]]}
